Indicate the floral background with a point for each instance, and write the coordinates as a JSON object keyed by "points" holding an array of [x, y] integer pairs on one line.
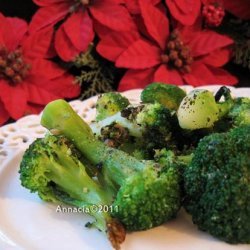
{"points": [[52, 49]]}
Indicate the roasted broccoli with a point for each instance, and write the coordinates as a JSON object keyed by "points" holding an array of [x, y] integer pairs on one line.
{"points": [[240, 112], [217, 185], [146, 196], [152, 126], [200, 109], [51, 167], [110, 103], [168, 95]]}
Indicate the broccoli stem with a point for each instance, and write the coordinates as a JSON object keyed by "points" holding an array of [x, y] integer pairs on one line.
{"points": [[74, 180], [225, 106], [85, 193], [186, 159], [116, 165]]}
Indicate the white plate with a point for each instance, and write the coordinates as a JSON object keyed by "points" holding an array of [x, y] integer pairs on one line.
{"points": [[28, 223]]}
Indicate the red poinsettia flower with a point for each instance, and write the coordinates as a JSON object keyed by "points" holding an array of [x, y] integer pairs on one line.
{"points": [[28, 81], [134, 7], [77, 32], [184, 11], [187, 55]]}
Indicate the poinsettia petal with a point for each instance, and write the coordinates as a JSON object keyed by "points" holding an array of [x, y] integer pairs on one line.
{"points": [[161, 74], [38, 94], [205, 2], [189, 32], [6, 33], [49, 69], [114, 16], [4, 115], [185, 11], [51, 51], [2, 21], [64, 47], [200, 75], [185, 6], [134, 7], [111, 1], [49, 2], [37, 44], [134, 79], [223, 77], [156, 23], [139, 55], [170, 76], [79, 29], [19, 28], [218, 58], [207, 41], [114, 43], [100, 29], [49, 16], [14, 99], [65, 86], [33, 108], [240, 8]]}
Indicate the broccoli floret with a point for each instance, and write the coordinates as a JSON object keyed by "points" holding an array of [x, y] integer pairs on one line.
{"points": [[152, 125], [148, 198], [51, 167], [120, 170], [217, 185], [159, 125], [200, 109], [168, 95], [110, 103], [240, 112]]}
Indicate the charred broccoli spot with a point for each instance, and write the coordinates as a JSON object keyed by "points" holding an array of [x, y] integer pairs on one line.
{"points": [[131, 113], [114, 135]]}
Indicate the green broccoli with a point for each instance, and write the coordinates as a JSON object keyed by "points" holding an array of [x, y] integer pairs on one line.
{"points": [[51, 167], [200, 109], [217, 185], [168, 95], [152, 126], [146, 196], [240, 112], [110, 103]]}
